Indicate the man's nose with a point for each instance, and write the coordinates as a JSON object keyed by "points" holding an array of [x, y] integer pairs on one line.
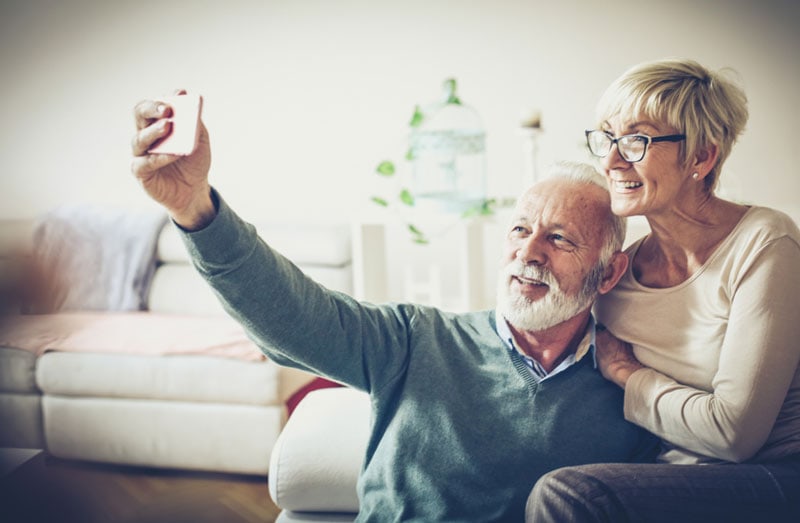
{"points": [[532, 250]]}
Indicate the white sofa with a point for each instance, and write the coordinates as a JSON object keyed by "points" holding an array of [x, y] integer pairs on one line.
{"points": [[201, 411], [316, 461]]}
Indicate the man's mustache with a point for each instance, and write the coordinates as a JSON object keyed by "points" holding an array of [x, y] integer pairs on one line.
{"points": [[531, 272]]}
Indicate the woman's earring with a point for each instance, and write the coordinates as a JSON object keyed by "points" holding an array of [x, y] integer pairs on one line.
{"points": [[695, 175]]}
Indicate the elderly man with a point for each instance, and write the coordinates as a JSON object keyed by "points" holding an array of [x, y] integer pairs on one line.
{"points": [[468, 410]]}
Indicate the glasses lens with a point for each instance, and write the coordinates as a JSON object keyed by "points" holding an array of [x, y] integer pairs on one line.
{"points": [[632, 147], [599, 143]]}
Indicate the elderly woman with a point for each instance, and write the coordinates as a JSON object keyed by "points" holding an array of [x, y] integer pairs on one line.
{"points": [[707, 313]]}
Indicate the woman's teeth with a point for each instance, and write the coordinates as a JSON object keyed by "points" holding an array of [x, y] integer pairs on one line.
{"points": [[628, 185]]}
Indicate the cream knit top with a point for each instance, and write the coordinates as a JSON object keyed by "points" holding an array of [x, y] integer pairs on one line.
{"points": [[722, 348]]}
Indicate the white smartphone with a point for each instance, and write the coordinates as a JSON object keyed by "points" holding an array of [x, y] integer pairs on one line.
{"points": [[182, 140]]}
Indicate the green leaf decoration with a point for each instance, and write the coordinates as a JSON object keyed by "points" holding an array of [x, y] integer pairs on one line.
{"points": [[385, 168], [417, 117], [450, 90], [417, 236], [485, 208], [406, 197]]}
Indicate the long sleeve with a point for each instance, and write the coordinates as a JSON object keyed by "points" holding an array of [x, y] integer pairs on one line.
{"points": [[294, 320]]}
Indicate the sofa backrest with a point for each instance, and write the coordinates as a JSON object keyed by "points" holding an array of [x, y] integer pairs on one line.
{"points": [[16, 239], [322, 251]]}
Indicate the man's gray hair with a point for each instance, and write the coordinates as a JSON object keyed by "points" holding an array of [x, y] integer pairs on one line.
{"points": [[580, 172]]}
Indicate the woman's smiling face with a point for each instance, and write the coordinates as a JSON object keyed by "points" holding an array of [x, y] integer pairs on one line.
{"points": [[654, 183]]}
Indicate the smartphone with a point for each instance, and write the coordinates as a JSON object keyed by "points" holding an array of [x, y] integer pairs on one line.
{"points": [[182, 140]]}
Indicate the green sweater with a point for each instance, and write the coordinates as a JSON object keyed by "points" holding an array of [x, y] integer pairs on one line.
{"points": [[460, 430]]}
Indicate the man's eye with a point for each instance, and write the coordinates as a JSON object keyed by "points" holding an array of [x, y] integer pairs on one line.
{"points": [[562, 241]]}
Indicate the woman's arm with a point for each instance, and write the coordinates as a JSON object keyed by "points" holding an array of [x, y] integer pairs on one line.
{"points": [[758, 360]]}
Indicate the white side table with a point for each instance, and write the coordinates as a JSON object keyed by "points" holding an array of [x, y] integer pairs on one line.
{"points": [[371, 276]]}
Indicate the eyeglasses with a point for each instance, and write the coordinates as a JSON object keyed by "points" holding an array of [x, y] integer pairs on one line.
{"points": [[630, 147]]}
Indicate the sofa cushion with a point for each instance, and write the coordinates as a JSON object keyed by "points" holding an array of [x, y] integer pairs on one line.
{"points": [[177, 288], [21, 420], [318, 456], [152, 433], [17, 371], [170, 378], [20, 400]]}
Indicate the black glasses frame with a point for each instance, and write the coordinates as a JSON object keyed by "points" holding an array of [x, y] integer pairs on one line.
{"points": [[647, 141]]}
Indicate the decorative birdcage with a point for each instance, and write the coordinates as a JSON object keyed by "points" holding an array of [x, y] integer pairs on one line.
{"points": [[447, 150]]}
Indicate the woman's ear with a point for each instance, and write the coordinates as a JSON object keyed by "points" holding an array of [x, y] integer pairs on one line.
{"points": [[704, 160], [614, 271]]}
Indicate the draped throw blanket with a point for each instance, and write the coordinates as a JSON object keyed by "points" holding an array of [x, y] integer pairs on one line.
{"points": [[142, 333], [94, 258]]}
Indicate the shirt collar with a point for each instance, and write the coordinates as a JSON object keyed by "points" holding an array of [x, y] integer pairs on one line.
{"points": [[586, 345]]}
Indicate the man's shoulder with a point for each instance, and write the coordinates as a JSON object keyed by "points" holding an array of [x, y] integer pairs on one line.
{"points": [[477, 319], [464, 329]]}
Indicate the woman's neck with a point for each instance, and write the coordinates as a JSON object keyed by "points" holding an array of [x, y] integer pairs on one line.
{"points": [[681, 242]]}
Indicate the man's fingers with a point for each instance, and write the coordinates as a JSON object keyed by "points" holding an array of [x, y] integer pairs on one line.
{"points": [[144, 139], [148, 111], [143, 166]]}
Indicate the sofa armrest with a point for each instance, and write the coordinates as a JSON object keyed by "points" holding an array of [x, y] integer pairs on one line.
{"points": [[318, 456]]}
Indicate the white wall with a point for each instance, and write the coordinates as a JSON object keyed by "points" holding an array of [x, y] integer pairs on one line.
{"points": [[303, 98]]}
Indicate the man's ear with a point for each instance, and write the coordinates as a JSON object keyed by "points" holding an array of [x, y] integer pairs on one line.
{"points": [[614, 271]]}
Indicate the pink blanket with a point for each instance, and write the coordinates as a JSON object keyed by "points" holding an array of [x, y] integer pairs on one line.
{"points": [[144, 333]]}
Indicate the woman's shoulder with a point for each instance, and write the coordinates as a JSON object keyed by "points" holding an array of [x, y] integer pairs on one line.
{"points": [[768, 223], [761, 231]]}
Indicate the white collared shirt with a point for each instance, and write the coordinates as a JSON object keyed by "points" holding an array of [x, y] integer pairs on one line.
{"points": [[585, 346]]}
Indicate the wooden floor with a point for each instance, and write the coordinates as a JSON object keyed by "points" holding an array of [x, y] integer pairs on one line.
{"points": [[51, 490]]}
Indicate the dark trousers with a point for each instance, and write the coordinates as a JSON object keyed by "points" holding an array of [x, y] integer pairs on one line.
{"points": [[623, 492]]}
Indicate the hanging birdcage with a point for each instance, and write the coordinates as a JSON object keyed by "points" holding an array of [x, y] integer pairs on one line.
{"points": [[447, 149]]}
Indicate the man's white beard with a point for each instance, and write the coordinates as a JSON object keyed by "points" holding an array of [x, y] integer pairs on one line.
{"points": [[553, 308]]}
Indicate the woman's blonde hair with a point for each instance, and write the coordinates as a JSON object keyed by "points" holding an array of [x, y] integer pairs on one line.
{"points": [[706, 106]]}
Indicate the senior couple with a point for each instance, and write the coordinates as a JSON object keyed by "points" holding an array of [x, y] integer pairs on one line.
{"points": [[677, 400]]}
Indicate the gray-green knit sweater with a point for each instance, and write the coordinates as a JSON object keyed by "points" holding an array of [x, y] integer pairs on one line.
{"points": [[460, 430]]}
